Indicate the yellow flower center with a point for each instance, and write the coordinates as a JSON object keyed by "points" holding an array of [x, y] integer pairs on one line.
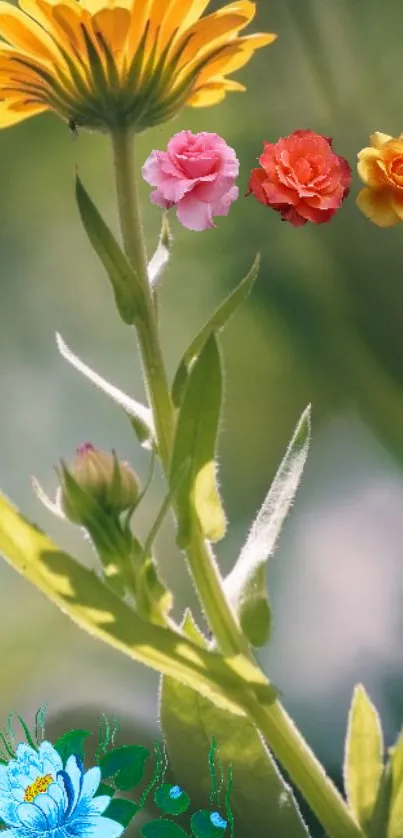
{"points": [[40, 785]]}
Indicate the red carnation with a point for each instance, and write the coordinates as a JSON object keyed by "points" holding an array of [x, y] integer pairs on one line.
{"points": [[302, 178]]}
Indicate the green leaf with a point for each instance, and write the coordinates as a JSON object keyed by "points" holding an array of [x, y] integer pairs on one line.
{"points": [[217, 322], [169, 803], [195, 441], [71, 743], [203, 827], [163, 829], [82, 596], [363, 760], [122, 811], [245, 586], [261, 802], [126, 765], [161, 256], [139, 415], [395, 822], [125, 284], [104, 788]]}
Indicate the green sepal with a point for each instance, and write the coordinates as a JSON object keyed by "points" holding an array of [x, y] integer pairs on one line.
{"points": [[103, 527], [162, 828], [71, 743], [195, 441], [138, 414], [126, 765], [245, 585], [160, 259], [215, 323], [125, 283], [122, 811], [363, 761]]}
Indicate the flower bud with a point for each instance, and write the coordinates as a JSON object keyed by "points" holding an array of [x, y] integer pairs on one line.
{"points": [[97, 476]]}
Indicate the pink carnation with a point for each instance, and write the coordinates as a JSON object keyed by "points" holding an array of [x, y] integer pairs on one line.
{"points": [[196, 175]]}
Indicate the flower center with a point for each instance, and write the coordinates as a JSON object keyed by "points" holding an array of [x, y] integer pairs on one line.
{"points": [[40, 785]]}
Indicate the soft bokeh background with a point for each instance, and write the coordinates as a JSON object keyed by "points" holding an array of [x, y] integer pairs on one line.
{"points": [[324, 326]]}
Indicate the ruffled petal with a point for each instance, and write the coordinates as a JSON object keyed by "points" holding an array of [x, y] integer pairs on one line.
{"points": [[369, 170], [195, 215], [377, 206]]}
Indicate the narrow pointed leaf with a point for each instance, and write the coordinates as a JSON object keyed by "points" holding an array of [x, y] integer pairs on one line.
{"points": [[195, 441], [82, 596], [245, 585], [216, 322], [125, 284], [363, 761], [161, 256], [261, 802], [139, 415]]}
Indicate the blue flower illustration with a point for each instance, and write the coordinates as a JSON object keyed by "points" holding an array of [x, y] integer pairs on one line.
{"points": [[41, 797]]}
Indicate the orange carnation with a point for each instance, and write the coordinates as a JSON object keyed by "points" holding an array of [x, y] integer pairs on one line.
{"points": [[380, 167]]}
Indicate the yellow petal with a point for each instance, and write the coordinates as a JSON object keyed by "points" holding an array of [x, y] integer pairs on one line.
{"points": [[234, 56], [22, 32], [214, 92], [192, 11], [378, 139], [368, 168], [396, 202], [209, 94], [13, 111], [207, 33], [140, 17], [377, 207], [113, 24]]}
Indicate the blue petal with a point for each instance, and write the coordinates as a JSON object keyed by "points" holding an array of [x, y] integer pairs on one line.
{"points": [[99, 804], [72, 778], [100, 827], [18, 792], [31, 816], [50, 809], [4, 778], [8, 833], [91, 781], [57, 792], [48, 754], [8, 812], [24, 751]]}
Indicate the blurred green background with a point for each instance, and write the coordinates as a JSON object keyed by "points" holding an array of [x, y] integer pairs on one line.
{"points": [[325, 325]]}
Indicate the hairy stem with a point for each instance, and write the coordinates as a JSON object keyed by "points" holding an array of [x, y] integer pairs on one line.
{"points": [[283, 738]]}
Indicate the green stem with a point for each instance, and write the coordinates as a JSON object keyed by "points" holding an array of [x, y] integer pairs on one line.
{"points": [[282, 736], [304, 769], [150, 349], [204, 570]]}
